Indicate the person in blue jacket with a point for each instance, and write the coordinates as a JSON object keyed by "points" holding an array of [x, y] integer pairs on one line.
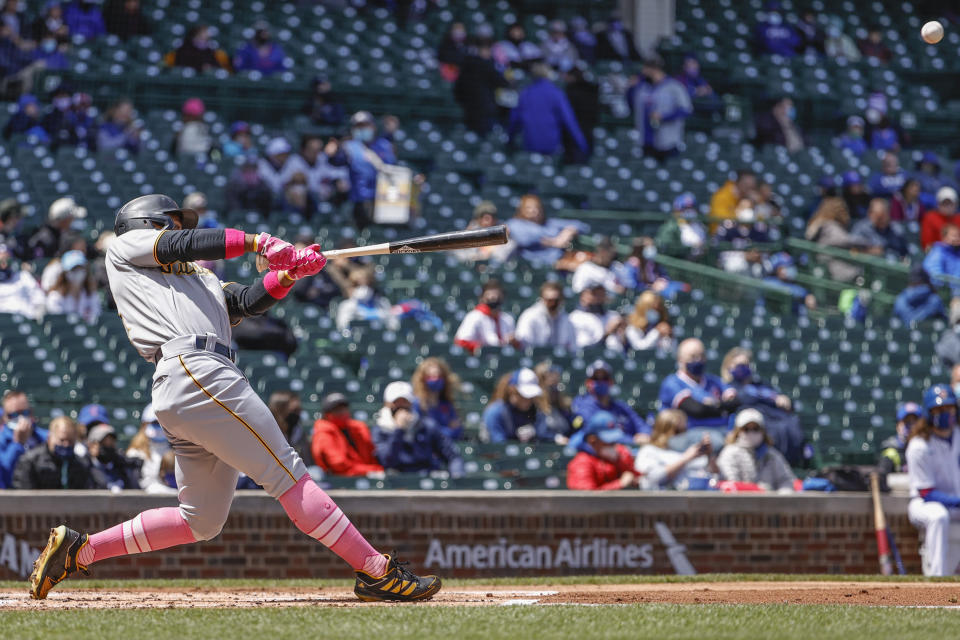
{"points": [[919, 300], [363, 155], [408, 442], [85, 19], [599, 397], [516, 410], [775, 36], [261, 53], [942, 263], [541, 240], [18, 433], [543, 112]]}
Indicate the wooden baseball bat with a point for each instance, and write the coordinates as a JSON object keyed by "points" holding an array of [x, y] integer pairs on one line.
{"points": [[880, 525], [423, 244]]}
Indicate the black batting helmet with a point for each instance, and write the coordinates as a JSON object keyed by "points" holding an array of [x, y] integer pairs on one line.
{"points": [[145, 211]]}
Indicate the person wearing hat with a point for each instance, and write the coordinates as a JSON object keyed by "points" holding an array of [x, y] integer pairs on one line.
{"points": [[600, 397], [603, 461], [878, 234], [933, 448], [246, 189], [660, 106], [75, 290], [56, 465], [109, 467], [660, 467], [920, 301], [594, 323], [750, 456], [682, 235], [341, 445], [942, 263], [783, 274], [893, 449], [408, 442], [933, 220], [49, 240], [275, 168], [238, 141], [558, 51], [194, 138], [852, 139], [260, 53], [517, 409], [890, 179], [26, 120], [363, 154], [543, 113], [20, 293]]}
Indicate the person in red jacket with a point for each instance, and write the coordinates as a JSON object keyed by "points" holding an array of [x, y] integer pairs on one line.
{"points": [[933, 221], [603, 463], [342, 445]]}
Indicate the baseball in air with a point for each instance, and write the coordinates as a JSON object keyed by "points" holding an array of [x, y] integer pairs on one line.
{"points": [[932, 32]]}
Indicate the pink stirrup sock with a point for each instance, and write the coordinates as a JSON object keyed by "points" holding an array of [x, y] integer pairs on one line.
{"points": [[149, 531], [318, 516]]}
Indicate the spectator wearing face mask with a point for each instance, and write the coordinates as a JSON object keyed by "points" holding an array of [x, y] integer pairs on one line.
{"points": [[660, 106], [706, 400], [838, 45], [198, 52], [543, 113], [546, 323], [108, 466], [890, 179], [341, 444], [75, 290], [286, 408], [363, 155], [724, 201], [26, 120], [648, 326], [18, 434], [409, 442], [783, 274], [741, 234], [435, 387], [60, 121], [55, 466], [275, 168], [84, 19], [905, 205], [594, 323], [782, 424], [682, 235], [660, 467], [774, 36], [517, 410], [487, 325], [778, 126], [603, 461], [599, 397], [50, 22], [751, 457], [933, 221], [150, 444], [702, 95], [260, 53], [852, 140], [893, 450], [20, 293], [239, 141], [365, 303], [641, 271]]}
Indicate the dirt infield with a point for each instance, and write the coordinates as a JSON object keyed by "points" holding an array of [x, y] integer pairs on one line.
{"points": [[846, 593]]}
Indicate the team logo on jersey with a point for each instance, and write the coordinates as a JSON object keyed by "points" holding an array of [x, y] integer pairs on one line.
{"points": [[182, 269]]}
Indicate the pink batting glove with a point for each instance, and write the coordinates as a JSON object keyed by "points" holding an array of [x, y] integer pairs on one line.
{"points": [[280, 255], [309, 262]]}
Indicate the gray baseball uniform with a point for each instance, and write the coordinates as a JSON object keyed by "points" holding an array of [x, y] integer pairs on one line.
{"points": [[179, 315]]}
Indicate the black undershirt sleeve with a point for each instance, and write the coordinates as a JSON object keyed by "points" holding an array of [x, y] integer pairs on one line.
{"points": [[191, 244], [245, 301], [696, 409]]}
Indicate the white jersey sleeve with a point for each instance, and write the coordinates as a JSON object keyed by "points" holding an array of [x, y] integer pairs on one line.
{"points": [[921, 466], [138, 248]]}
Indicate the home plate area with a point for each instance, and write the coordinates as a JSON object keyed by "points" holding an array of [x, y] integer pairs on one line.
{"points": [[941, 594]]}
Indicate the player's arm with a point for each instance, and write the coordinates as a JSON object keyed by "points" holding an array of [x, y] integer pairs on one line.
{"points": [[246, 301], [150, 248]]}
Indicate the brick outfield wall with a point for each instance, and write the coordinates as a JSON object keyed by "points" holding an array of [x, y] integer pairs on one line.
{"points": [[741, 534]]}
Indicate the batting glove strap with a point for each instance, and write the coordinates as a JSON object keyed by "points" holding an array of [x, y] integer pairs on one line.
{"points": [[280, 255], [309, 262]]}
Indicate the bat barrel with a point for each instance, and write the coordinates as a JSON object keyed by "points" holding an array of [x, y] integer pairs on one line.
{"points": [[453, 240]]}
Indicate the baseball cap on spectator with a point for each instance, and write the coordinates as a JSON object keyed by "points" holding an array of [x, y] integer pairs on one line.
{"points": [[196, 200], [599, 365], [484, 31], [361, 118], [780, 259], [73, 259], [194, 107], [92, 413], [946, 193], [63, 208], [748, 416], [278, 146], [333, 402], [851, 177], [603, 424], [148, 414], [99, 432], [239, 127], [929, 157], [908, 409], [526, 383], [684, 202], [398, 390], [855, 121], [827, 182]]}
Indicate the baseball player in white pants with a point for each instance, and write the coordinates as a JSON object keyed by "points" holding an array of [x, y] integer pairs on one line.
{"points": [[179, 316], [933, 466]]}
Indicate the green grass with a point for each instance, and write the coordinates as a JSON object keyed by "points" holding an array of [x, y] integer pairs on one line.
{"points": [[93, 583], [719, 622]]}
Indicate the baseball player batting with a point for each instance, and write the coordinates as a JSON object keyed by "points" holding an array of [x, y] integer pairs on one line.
{"points": [[179, 316]]}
